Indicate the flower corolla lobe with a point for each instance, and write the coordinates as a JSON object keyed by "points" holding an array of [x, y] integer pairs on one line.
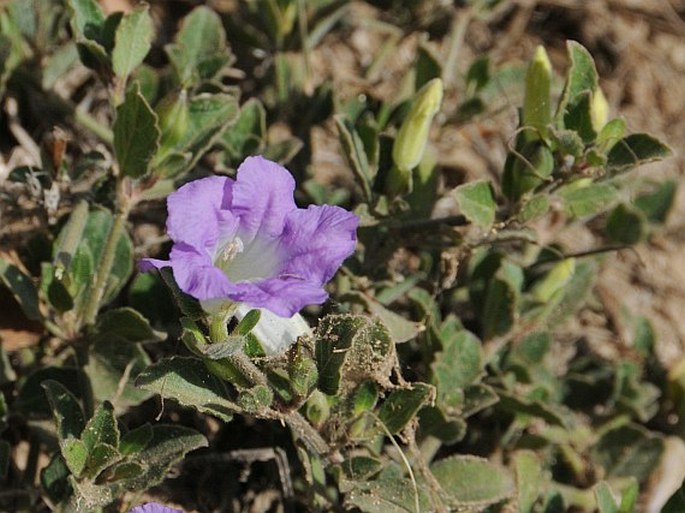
{"points": [[247, 241]]}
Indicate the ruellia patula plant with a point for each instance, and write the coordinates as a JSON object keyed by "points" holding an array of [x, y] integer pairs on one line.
{"points": [[398, 342]]}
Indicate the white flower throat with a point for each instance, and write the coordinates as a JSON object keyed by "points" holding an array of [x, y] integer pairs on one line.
{"points": [[256, 260]]}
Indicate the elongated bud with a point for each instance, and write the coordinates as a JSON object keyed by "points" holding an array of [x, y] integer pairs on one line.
{"points": [[599, 110], [413, 135], [537, 112], [276, 334], [173, 113], [555, 280]]}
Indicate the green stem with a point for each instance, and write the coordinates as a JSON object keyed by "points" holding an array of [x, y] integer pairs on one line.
{"points": [[88, 122], [240, 362], [104, 268]]}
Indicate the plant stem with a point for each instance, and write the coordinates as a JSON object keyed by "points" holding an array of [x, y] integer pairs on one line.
{"points": [[104, 268], [218, 332], [88, 122]]}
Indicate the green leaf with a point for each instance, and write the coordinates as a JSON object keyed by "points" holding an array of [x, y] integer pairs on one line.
{"points": [[248, 322], [580, 77], [69, 239], [500, 309], [402, 405], [87, 18], [100, 457], [187, 381], [54, 478], [169, 444], [75, 455], [246, 136], [469, 481], [586, 200], [361, 467], [188, 305], [630, 495], [534, 208], [390, 493], [605, 498], [334, 337], [478, 74], [136, 134], [128, 324], [634, 150], [578, 117], [657, 203], [427, 67], [352, 349], [208, 116], [133, 41], [32, 401], [401, 329], [65, 409], [529, 479], [199, 50], [113, 366], [136, 440], [22, 288], [629, 451], [101, 428], [626, 225], [355, 154], [610, 134], [459, 364], [433, 422], [477, 202]]}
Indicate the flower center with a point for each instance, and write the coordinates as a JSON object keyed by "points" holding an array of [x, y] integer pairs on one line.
{"points": [[258, 260]]}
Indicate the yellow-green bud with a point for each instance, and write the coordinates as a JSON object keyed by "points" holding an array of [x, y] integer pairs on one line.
{"points": [[537, 112], [413, 135], [556, 279], [599, 110]]}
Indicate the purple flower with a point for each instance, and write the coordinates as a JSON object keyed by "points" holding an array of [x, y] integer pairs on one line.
{"points": [[246, 240], [153, 507]]}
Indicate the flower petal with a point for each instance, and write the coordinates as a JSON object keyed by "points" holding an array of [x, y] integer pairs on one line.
{"points": [[154, 507], [316, 241], [196, 275], [199, 212], [262, 197], [284, 297], [275, 333]]}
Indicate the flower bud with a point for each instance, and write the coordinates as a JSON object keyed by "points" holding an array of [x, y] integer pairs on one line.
{"points": [[537, 113], [413, 135], [599, 110], [556, 279]]}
